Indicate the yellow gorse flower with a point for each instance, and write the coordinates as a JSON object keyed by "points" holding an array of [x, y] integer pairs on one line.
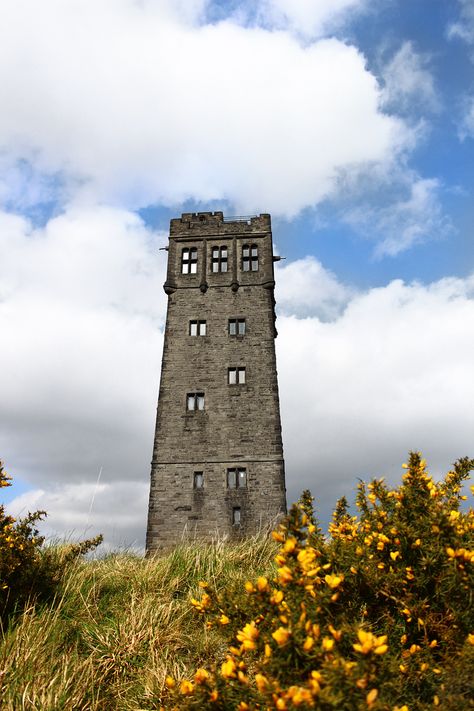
{"points": [[243, 678], [203, 604], [289, 545], [201, 676], [276, 597], [281, 636], [186, 687], [371, 697], [306, 557], [370, 643], [285, 575], [337, 634], [248, 635], [327, 644], [228, 668], [333, 580], [299, 695]]}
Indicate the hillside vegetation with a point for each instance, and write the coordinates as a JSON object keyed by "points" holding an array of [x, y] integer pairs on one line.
{"points": [[375, 616]]}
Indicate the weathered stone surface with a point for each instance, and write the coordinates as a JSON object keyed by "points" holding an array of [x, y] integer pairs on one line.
{"points": [[240, 424]]}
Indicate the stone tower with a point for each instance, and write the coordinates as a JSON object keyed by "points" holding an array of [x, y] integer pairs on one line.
{"points": [[217, 465]]}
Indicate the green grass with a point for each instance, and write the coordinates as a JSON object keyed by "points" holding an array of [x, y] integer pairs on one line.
{"points": [[118, 627]]}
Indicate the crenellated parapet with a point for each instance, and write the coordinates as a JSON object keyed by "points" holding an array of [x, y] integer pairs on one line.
{"points": [[192, 224]]}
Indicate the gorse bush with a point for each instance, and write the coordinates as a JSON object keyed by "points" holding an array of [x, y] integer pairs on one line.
{"points": [[377, 616], [27, 570]]}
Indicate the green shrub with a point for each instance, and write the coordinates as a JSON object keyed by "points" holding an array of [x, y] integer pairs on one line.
{"points": [[377, 616], [29, 571]]}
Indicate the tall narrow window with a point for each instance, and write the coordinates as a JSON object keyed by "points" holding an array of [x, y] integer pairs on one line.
{"points": [[219, 259], [189, 260], [236, 515], [198, 480], [197, 328], [241, 478], [236, 327], [236, 376], [250, 258], [194, 401], [236, 478]]}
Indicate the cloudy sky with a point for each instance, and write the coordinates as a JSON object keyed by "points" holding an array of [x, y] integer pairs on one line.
{"points": [[350, 121]]}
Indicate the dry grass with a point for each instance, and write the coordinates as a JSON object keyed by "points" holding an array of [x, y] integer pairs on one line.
{"points": [[118, 627]]}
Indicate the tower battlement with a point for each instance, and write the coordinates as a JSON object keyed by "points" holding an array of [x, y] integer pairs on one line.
{"points": [[212, 223]]}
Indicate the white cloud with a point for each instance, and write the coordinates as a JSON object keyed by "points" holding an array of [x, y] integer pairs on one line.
{"points": [[80, 317], [116, 509], [466, 124], [409, 85], [393, 373], [412, 217], [464, 28], [128, 102], [306, 288], [307, 17]]}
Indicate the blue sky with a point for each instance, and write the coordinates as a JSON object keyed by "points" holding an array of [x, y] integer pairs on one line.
{"points": [[351, 122]]}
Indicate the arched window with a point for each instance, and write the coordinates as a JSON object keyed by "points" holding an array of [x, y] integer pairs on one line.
{"points": [[250, 258], [189, 258]]}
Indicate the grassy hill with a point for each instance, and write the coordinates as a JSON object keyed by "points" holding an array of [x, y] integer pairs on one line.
{"points": [[377, 615], [119, 626]]}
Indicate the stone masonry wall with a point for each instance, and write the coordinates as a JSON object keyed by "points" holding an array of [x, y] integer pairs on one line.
{"points": [[240, 424]]}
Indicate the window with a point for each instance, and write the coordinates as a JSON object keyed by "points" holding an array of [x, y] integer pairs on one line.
{"points": [[198, 481], [236, 376], [219, 259], [236, 327], [194, 401], [189, 258], [250, 258], [197, 328], [236, 478], [236, 516]]}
